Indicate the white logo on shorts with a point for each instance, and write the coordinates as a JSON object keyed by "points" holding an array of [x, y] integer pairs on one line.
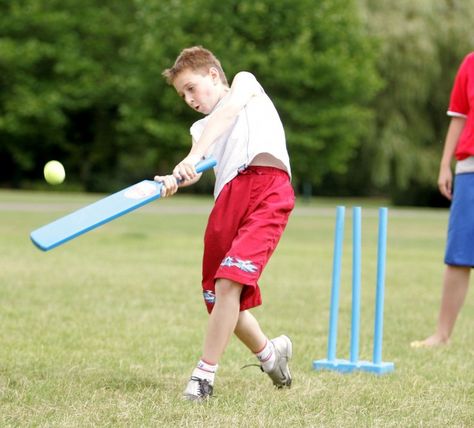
{"points": [[244, 265]]}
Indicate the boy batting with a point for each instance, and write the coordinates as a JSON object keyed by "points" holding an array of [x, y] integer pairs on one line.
{"points": [[253, 200]]}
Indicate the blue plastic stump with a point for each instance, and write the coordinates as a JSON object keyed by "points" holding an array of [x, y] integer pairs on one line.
{"points": [[353, 364], [331, 361], [336, 283], [377, 365], [356, 259]]}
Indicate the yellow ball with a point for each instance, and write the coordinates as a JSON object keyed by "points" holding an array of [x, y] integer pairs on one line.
{"points": [[54, 172]]}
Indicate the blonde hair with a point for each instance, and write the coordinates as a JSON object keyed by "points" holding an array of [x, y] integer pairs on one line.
{"points": [[197, 59]]}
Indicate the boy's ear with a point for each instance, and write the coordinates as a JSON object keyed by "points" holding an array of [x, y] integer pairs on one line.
{"points": [[214, 73]]}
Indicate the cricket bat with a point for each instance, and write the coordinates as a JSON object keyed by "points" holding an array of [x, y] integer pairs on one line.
{"points": [[98, 213]]}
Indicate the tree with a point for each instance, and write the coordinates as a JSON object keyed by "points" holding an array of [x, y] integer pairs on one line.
{"points": [[314, 59], [81, 80], [420, 47], [61, 69]]}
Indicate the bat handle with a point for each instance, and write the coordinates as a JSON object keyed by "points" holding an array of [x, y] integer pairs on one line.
{"points": [[205, 164]]}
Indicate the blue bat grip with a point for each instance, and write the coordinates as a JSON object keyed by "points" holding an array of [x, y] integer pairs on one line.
{"points": [[202, 166], [205, 164]]}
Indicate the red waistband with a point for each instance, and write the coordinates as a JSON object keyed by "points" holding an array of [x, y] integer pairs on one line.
{"points": [[263, 170]]}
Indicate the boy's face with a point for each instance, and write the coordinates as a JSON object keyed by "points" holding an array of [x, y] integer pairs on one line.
{"points": [[200, 91]]}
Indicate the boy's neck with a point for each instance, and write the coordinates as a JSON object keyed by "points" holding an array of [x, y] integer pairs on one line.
{"points": [[225, 90]]}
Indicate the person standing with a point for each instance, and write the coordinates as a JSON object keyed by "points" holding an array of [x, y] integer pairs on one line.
{"points": [[459, 255]]}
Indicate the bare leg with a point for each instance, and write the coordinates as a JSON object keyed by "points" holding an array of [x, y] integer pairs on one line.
{"points": [[249, 332], [222, 320], [273, 355], [455, 286]]}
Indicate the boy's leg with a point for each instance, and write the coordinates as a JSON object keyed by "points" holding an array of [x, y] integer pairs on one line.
{"points": [[455, 286], [237, 248], [273, 354], [222, 319], [249, 332], [221, 324]]}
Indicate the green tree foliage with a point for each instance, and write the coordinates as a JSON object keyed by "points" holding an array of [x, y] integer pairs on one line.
{"points": [[81, 80], [421, 45], [313, 59], [60, 85], [317, 63]]}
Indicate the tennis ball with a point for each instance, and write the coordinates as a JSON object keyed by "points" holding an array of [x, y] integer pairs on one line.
{"points": [[54, 172]]}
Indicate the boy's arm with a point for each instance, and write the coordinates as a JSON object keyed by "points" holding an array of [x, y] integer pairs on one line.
{"points": [[244, 87], [171, 185], [445, 178]]}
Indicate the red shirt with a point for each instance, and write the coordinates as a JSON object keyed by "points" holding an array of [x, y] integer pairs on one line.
{"points": [[460, 104]]}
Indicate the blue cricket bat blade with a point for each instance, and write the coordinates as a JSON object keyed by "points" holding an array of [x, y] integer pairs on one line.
{"points": [[98, 213], [94, 215]]}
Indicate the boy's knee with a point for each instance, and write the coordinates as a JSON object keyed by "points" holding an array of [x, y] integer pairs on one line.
{"points": [[228, 288]]}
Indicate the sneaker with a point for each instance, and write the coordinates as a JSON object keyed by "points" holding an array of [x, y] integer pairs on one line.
{"points": [[280, 373], [198, 389]]}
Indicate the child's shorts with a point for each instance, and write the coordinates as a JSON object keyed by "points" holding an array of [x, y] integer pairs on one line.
{"points": [[243, 230], [460, 242]]}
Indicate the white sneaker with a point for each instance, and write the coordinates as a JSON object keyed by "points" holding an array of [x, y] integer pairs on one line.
{"points": [[198, 389], [280, 372]]}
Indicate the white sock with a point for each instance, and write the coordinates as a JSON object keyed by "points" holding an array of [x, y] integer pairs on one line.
{"points": [[206, 371], [267, 356]]}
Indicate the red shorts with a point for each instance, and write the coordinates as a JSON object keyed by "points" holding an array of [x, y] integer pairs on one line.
{"points": [[244, 227]]}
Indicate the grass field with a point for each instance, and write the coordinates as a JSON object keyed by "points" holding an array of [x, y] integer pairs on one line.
{"points": [[105, 330]]}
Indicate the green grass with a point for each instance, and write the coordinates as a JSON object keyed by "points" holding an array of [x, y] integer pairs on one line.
{"points": [[105, 330]]}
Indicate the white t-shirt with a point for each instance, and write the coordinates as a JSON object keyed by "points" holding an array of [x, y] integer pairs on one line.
{"points": [[257, 129]]}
